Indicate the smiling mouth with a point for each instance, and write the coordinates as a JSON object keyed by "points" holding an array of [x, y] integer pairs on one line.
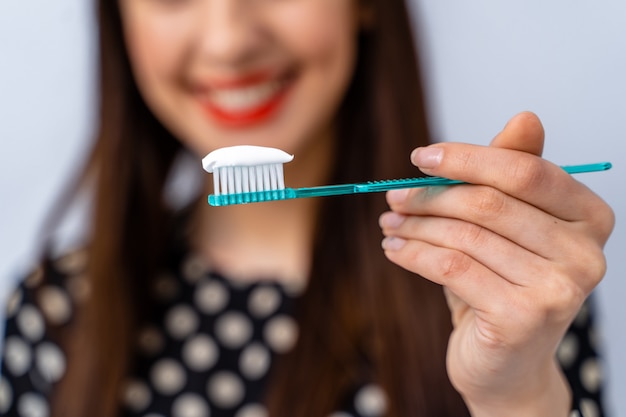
{"points": [[244, 101]]}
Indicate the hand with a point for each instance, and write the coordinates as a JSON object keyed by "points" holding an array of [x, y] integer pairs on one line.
{"points": [[517, 252]]}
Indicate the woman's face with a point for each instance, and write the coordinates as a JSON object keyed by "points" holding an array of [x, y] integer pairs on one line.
{"points": [[230, 72]]}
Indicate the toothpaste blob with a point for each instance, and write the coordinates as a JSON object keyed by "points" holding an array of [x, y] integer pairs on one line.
{"points": [[246, 168], [244, 155]]}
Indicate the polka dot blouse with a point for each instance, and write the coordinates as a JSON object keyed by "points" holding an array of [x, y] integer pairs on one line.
{"points": [[208, 352]]}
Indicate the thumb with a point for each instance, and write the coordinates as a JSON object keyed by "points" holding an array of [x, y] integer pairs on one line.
{"points": [[524, 132]]}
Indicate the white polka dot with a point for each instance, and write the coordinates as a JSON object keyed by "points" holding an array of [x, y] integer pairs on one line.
{"points": [[181, 321], [55, 304], [211, 297], [32, 405], [263, 301], [225, 389], [575, 413], [35, 278], [296, 287], [6, 395], [14, 303], [252, 410], [73, 263], [200, 353], [150, 340], [254, 361], [281, 333], [591, 375], [194, 268], [168, 376], [31, 323], [233, 329], [165, 288], [50, 362], [371, 401], [568, 350], [79, 288], [589, 408], [190, 405], [17, 355], [136, 396]]}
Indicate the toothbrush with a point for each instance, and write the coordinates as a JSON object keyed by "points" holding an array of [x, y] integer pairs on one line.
{"points": [[250, 174]]}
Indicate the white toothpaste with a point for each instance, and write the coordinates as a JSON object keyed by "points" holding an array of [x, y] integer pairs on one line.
{"points": [[244, 155]]}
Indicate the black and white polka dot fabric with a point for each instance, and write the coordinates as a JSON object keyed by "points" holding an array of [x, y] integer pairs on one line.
{"points": [[208, 349], [579, 359]]}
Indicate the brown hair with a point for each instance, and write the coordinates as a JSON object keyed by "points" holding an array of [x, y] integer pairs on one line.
{"points": [[363, 317]]}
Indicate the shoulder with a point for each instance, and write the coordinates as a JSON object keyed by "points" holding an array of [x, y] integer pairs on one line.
{"points": [[37, 313]]}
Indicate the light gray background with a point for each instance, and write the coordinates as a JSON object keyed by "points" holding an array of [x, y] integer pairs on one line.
{"points": [[487, 60]]}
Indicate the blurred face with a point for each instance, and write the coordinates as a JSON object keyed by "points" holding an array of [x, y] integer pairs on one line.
{"points": [[230, 72]]}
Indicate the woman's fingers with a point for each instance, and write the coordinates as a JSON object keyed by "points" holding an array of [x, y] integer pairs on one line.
{"points": [[521, 175], [479, 287], [512, 165], [489, 208], [513, 263], [499, 280], [574, 248]]}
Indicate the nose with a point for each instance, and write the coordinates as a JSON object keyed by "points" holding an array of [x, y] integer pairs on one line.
{"points": [[228, 32]]}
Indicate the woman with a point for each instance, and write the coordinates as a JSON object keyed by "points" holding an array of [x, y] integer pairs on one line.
{"points": [[166, 317]]}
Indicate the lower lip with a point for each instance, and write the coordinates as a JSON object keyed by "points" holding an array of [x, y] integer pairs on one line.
{"points": [[248, 117]]}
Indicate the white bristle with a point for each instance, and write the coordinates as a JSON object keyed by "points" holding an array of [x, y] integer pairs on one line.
{"points": [[245, 187], [238, 180], [242, 169], [253, 178], [216, 182], [224, 179], [259, 177], [230, 171], [280, 176], [266, 177], [273, 180]]}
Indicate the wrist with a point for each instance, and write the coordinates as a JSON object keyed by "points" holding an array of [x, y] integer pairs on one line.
{"points": [[547, 394]]}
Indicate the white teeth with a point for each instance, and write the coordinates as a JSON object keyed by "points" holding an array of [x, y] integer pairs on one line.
{"points": [[242, 99]]}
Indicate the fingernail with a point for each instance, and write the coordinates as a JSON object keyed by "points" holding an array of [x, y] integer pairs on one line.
{"points": [[397, 196], [429, 157], [391, 220], [392, 243]]}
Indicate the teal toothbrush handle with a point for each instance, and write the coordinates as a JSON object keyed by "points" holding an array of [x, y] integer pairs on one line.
{"points": [[372, 187], [580, 169], [366, 187], [386, 185]]}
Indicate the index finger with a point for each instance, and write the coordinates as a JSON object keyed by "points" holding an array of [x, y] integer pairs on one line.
{"points": [[519, 174]]}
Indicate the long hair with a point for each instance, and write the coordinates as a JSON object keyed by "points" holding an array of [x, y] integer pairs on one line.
{"points": [[363, 318]]}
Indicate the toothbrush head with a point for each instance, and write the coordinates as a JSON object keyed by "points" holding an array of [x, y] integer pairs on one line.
{"points": [[246, 169]]}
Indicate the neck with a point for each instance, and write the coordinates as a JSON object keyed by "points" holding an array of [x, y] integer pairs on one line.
{"points": [[267, 240]]}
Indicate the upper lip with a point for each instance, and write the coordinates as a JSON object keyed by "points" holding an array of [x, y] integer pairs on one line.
{"points": [[238, 81]]}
